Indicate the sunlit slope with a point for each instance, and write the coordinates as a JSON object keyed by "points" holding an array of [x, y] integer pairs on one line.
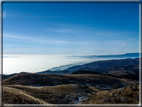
{"points": [[15, 96]]}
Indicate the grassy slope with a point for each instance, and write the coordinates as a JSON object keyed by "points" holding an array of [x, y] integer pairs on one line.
{"points": [[69, 94], [62, 94], [15, 96], [67, 89]]}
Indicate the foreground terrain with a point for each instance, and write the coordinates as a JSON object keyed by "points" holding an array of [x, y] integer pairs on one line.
{"points": [[28, 88]]}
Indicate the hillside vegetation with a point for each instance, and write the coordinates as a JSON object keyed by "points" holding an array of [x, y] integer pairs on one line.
{"points": [[15, 96], [69, 94], [30, 88], [61, 94], [126, 95]]}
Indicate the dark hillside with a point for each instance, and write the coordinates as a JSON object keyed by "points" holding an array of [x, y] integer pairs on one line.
{"points": [[96, 80], [104, 64], [128, 71]]}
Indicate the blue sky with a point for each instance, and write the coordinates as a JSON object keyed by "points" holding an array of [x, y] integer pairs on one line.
{"points": [[70, 28]]}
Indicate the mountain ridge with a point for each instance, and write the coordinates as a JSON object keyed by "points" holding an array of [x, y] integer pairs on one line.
{"points": [[104, 64], [127, 55]]}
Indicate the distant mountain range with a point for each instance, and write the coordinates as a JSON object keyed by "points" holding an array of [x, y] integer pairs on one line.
{"points": [[64, 67], [98, 67], [105, 64], [127, 55]]}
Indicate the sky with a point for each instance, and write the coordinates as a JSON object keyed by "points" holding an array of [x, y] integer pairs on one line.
{"points": [[70, 28]]}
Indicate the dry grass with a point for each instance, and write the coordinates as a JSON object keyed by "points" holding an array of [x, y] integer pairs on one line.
{"points": [[67, 89], [15, 96], [126, 95], [61, 94], [69, 94]]}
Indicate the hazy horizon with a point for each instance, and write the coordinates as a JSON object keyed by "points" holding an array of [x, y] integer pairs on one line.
{"points": [[16, 63], [69, 54], [36, 63]]}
